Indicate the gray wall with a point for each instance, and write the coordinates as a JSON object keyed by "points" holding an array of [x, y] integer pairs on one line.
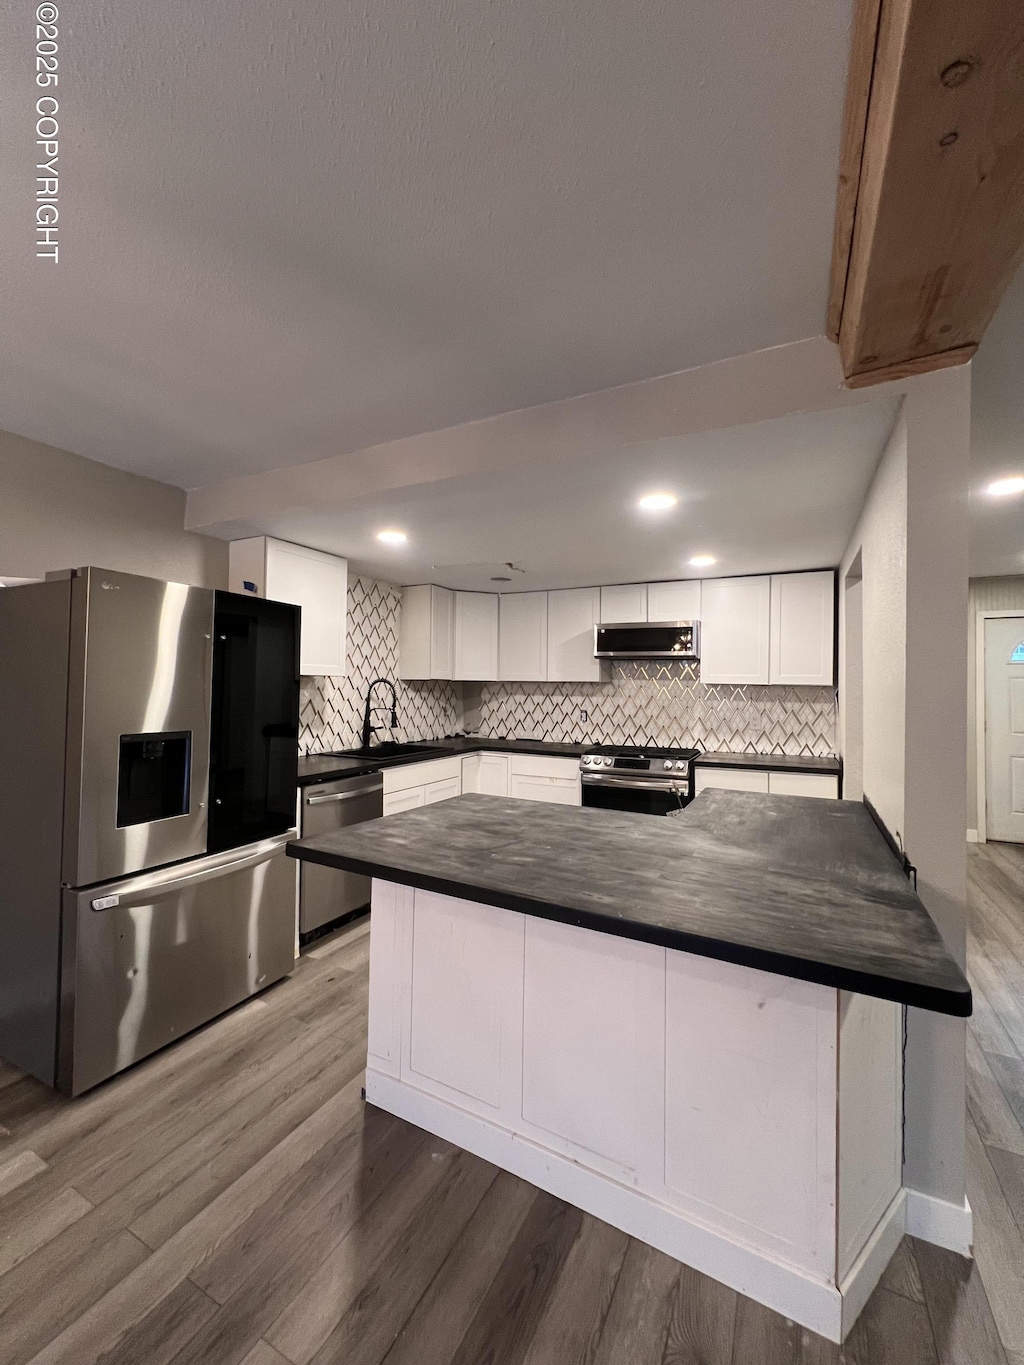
{"points": [[60, 511], [986, 594]]}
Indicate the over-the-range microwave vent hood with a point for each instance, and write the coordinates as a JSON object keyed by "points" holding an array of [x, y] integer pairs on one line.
{"points": [[648, 640]]}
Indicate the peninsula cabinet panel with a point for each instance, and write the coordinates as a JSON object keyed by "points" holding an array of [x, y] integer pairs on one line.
{"points": [[765, 1075], [734, 630], [803, 611], [476, 637], [623, 604], [316, 582], [523, 637], [592, 1005], [572, 615], [426, 633], [674, 601], [464, 1014]]}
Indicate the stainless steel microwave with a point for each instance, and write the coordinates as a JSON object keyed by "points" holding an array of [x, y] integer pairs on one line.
{"points": [[648, 640]]}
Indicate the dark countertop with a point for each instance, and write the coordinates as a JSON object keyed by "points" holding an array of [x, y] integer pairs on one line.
{"points": [[788, 884], [327, 767], [778, 763]]}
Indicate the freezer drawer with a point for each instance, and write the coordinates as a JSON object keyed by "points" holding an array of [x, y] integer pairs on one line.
{"points": [[327, 893], [148, 959]]}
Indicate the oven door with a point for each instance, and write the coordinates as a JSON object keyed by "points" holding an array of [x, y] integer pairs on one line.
{"points": [[611, 792]]}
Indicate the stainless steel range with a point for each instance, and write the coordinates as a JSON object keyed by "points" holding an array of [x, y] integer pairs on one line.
{"points": [[639, 778]]}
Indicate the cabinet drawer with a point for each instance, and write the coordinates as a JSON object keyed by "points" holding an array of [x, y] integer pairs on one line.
{"points": [[441, 791], [732, 779], [404, 800], [804, 784], [539, 765], [563, 791]]}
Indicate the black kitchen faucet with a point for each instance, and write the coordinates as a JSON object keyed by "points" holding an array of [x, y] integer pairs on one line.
{"points": [[368, 726]]}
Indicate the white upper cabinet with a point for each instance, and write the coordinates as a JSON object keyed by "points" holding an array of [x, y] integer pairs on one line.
{"points": [[803, 607], [314, 581], [426, 632], [734, 630], [624, 604], [476, 636], [523, 637], [674, 601], [572, 615]]}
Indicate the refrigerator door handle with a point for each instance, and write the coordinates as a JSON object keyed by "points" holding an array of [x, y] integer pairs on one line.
{"points": [[193, 873]]}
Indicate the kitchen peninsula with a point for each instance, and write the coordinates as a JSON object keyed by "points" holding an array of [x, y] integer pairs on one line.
{"points": [[690, 1028]]}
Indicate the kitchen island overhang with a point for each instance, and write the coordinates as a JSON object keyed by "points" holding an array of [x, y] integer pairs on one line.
{"points": [[642, 1017]]}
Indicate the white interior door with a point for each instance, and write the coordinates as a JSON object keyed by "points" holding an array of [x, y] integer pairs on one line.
{"points": [[1004, 728]]}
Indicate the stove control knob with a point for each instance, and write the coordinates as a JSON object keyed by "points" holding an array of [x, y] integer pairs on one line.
{"points": [[667, 763], [608, 762], [680, 763]]}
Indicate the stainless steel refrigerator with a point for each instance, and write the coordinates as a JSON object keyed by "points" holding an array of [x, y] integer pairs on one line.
{"points": [[148, 747]]}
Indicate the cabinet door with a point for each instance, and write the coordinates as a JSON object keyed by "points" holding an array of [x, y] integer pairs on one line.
{"points": [[425, 632], [318, 583], [731, 779], [404, 800], [803, 628], [804, 784], [734, 630], [493, 779], [572, 616], [476, 636], [674, 601], [624, 603], [441, 791], [442, 632], [523, 637]]}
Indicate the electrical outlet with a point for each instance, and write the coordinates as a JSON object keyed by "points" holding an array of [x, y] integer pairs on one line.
{"points": [[584, 715]]}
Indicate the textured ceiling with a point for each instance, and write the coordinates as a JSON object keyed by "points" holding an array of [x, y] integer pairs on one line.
{"points": [[294, 230], [997, 439], [775, 495]]}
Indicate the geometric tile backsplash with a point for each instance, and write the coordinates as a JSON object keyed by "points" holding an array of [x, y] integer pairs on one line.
{"points": [[647, 702], [331, 709], [644, 702]]}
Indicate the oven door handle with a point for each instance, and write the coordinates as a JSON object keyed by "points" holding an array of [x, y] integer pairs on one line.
{"points": [[665, 784]]}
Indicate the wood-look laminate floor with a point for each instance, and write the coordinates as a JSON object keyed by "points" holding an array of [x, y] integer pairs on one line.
{"points": [[232, 1200]]}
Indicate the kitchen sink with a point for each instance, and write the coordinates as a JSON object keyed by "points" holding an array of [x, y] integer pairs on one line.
{"points": [[388, 750]]}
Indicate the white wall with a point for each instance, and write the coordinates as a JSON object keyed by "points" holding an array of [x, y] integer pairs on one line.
{"points": [[912, 539], [986, 594], [880, 539], [60, 511]]}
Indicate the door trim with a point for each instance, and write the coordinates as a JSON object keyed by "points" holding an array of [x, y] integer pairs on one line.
{"points": [[979, 713]]}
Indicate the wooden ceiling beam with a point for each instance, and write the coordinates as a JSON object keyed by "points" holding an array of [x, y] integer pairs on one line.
{"points": [[929, 224]]}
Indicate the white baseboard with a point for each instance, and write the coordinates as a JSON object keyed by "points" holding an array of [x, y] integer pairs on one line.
{"points": [[940, 1221], [972, 836], [812, 1303], [867, 1269]]}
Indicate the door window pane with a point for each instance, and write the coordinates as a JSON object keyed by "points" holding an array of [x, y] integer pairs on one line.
{"points": [[1017, 657]]}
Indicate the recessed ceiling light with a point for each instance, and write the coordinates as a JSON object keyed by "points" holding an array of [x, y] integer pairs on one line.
{"points": [[392, 537], [657, 502], [703, 561], [1003, 487]]}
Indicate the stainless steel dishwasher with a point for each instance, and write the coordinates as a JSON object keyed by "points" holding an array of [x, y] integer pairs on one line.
{"points": [[326, 893]]}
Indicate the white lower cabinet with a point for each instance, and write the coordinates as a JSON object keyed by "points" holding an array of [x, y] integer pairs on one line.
{"points": [[420, 784], [780, 783], [534, 777]]}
